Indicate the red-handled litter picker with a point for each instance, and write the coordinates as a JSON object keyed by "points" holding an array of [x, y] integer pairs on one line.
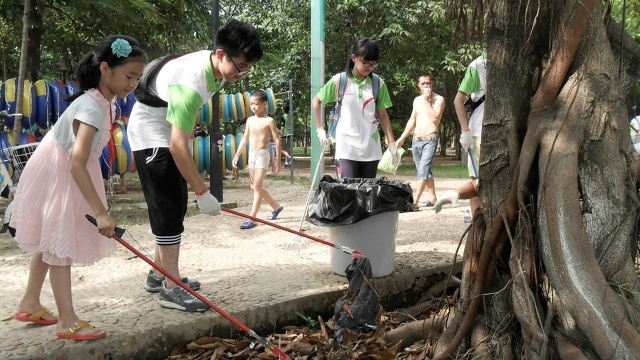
{"points": [[361, 303], [119, 232], [355, 253]]}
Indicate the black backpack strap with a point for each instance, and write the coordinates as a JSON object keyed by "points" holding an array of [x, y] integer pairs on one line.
{"points": [[471, 105], [152, 69]]}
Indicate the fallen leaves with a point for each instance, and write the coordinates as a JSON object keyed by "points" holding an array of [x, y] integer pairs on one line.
{"points": [[305, 343], [302, 343]]}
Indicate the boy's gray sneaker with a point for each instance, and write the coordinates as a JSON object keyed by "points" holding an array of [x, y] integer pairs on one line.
{"points": [[181, 299], [154, 282]]}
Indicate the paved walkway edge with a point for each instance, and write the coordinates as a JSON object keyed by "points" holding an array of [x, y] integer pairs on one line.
{"points": [[157, 342]]}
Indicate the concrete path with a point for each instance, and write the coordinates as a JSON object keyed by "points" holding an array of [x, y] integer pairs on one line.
{"points": [[250, 274]]}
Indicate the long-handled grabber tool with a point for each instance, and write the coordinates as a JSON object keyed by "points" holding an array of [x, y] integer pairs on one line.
{"points": [[355, 253], [306, 206], [267, 344]]}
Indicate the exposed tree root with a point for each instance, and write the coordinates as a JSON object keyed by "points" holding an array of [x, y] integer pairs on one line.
{"points": [[493, 249], [413, 312], [526, 301], [443, 285], [566, 350], [570, 263], [408, 333], [415, 331]]}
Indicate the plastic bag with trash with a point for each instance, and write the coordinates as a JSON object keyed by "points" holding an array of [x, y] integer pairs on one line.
{"points": [[388, 164], [346, 201]]}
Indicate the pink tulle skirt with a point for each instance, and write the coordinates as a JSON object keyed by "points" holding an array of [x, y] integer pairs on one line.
{"points": [[49, 209]]}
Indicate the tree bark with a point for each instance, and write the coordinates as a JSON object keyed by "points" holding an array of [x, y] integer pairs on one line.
{"points": [[35, 40], [558, 192], [17, 125]]}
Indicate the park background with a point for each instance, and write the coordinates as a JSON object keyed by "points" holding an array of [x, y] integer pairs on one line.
{"points": [[415, 36]]}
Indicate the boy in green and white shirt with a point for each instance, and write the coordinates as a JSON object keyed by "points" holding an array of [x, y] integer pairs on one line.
{"points": [[159, 133]]}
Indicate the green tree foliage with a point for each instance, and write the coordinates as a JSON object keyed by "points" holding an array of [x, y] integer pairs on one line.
{"points": [[72, 27], [629, 11], [414, 37]]}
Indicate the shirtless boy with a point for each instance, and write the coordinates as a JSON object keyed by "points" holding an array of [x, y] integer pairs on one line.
{"points": [[259, 129], [424, 122]]}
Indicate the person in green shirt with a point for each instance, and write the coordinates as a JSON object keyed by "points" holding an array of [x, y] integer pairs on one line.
{"points": [[358, 147]]}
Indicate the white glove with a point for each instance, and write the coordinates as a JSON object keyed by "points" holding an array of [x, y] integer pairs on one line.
{"points": [[395, 155], [208, 204], [465, 139], [322, 137]]}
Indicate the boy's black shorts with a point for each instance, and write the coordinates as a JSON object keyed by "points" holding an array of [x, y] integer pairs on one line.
{"points": [[165, 190]]}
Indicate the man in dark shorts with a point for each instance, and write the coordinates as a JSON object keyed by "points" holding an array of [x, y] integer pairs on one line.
{"points": [[160, 126]]}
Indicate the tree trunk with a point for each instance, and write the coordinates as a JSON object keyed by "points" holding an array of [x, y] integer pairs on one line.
{"points": [[17, 125], [548, 268], [35, 39]]}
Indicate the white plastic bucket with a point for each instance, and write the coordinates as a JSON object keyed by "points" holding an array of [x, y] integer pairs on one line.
{"points": [[375, 237]]}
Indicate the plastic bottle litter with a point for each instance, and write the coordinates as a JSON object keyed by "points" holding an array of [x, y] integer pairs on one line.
{"points": [[467, 216]]}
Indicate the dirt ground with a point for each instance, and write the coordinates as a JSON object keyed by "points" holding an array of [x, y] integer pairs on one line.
{"points": [[130, 208], [443, 230]]}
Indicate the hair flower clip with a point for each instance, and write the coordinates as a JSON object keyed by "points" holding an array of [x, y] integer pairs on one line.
{"points": [[121, 48]]}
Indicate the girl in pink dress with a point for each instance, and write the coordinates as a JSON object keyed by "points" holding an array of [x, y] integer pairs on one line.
{"points": [[62, 182]]}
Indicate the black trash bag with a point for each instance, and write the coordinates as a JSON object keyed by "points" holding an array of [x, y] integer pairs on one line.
{"points": [[359, 309], [346, 201]]}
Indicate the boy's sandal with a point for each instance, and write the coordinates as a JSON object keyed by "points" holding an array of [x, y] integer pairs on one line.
{"points": [[274, 214], [72, 332], [248, 224], [36, 317]]}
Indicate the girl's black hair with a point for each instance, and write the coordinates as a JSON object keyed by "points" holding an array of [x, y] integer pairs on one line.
{"points": [[88, 71], [365, 48]]}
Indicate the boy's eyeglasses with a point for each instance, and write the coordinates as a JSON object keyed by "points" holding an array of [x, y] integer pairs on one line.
{"points": [[241, 73], [369, 64]]}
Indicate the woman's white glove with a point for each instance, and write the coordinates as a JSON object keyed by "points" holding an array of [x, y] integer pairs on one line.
{"points": [[465, 139], [208, 204], [322, 137]]}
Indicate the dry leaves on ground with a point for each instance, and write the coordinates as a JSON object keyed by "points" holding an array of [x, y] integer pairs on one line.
{"points": [[303, 343]]}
